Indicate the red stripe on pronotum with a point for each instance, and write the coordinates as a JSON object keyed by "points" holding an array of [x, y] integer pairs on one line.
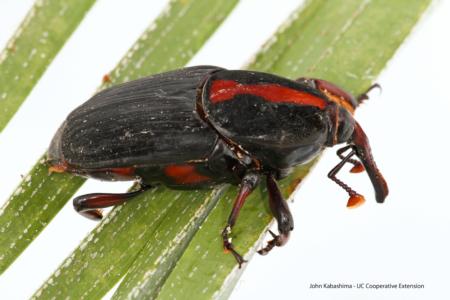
{"points": [[223, 90]]}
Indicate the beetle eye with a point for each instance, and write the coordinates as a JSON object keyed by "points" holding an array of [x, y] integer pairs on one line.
{"points": [[346, 126]]}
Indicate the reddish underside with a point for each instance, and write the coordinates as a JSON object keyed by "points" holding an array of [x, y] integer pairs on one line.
{"points": [[184, 174], [129, 171], [223, 90]]}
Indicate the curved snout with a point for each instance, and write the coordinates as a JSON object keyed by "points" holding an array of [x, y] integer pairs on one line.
{"points": [[364, 153]]}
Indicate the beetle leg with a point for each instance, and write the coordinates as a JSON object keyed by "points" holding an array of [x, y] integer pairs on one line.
{"points": [[280, 211], [364, 95], [89, 205], [357, 166], [248, 184], [355, 199]]}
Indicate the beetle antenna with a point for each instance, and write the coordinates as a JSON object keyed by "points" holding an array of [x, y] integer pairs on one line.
{"points": [[355, 199], [364, 95]]}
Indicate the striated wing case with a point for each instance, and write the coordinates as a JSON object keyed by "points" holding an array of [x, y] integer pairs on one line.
{"points": [[149, 121]]}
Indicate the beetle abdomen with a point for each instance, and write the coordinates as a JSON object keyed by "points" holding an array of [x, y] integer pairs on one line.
{"points": [[150, 121]]}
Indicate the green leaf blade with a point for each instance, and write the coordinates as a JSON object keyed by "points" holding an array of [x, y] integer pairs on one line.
{"points": [[44, 31], [138, 62], [179, 24], [340, 41], [166, 244], [173, 39], [106, 254], [31, 207]]}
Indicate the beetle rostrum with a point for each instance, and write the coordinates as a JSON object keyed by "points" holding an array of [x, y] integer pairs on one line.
{"points": [[202, 126]]}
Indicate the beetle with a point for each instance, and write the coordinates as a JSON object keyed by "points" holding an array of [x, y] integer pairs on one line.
{"points": [[201, 126]]}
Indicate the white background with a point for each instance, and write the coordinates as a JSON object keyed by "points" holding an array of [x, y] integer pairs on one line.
{"points": [[405, 240]]}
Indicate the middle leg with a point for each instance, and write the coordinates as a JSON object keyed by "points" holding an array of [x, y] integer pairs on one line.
{"points": [[248, 184]]}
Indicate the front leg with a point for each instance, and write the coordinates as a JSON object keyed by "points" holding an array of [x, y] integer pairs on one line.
{"points": [[248, 184], [355, 199], [357, 166], [280, 210]]}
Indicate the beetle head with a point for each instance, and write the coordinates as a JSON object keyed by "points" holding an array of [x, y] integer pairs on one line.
{"points": [[344, 129], [340, 112]]}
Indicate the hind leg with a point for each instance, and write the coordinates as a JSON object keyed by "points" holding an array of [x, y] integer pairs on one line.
{"points": [[90, 205]]}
